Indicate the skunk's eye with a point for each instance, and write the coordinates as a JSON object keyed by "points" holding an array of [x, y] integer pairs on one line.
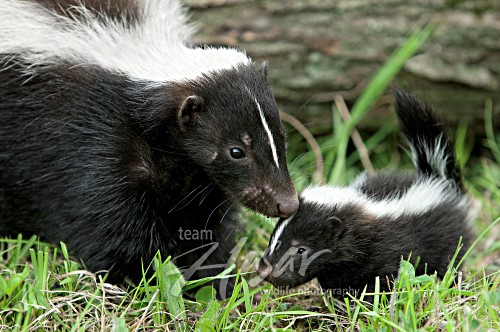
{"points": [[236, 153], [300, 251]]}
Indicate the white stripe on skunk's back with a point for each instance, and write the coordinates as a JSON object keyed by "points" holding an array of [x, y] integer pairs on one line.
{"points": [[155, 49], [423, 196]]}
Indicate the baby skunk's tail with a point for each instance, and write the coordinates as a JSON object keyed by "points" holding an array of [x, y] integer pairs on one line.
{"points": [[432, 150]]}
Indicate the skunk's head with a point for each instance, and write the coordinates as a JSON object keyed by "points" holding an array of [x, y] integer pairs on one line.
{"points": [[229, 125], [302, 246], [226, 118]]}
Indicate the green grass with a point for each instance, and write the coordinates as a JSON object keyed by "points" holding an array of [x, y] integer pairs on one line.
{"points": [[43, 289]]}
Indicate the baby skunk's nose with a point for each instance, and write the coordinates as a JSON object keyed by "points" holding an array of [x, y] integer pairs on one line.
{"points": [[265, 271], [288, 206]]}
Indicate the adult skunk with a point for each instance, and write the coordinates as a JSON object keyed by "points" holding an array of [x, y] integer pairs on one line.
{"points": [[117, 136], [347, 236]]}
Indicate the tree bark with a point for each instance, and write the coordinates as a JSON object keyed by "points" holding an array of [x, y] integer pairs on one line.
{"points": [[316, 48]]}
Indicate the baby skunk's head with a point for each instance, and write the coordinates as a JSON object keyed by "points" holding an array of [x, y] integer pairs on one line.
{"points": [[302, 246], [230, 127]]}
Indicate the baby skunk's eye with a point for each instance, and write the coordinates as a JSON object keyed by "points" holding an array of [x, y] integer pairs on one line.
{"points": [[300, 251], [236, 153]]}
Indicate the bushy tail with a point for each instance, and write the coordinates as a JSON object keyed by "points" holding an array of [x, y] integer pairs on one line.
{"points": [[432, 150]]}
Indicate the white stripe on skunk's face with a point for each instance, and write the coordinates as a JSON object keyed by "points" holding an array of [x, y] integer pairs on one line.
{"points": [[276, 235], [266, 128], [152, 49], [269, 135]]}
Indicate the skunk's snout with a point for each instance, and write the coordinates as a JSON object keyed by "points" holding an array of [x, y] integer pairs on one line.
{"points": [[288, 206], [265, 271], [265, 201]]}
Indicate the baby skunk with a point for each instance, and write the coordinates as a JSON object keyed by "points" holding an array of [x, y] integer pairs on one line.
{"points": [[121, 139], [346, 236]]}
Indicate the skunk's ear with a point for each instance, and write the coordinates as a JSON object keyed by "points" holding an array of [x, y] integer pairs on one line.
{"points": [[263, 69], [189, 111], [338, 227]]}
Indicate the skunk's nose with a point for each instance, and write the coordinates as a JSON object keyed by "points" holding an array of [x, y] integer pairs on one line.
{"points": [[288, 206], [265, 272]]}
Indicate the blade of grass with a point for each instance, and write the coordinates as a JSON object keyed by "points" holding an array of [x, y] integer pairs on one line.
{"points": [[490, 133], [171, 282], [332, 143], [374, 90]]}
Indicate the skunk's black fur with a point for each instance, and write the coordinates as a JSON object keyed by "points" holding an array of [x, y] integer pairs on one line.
{"points": [[347, 236], [115, 165]]}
